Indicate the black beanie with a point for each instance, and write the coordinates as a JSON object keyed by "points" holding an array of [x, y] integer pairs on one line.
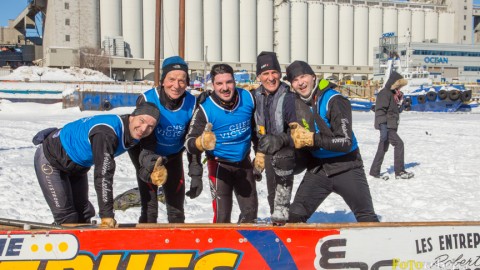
{"points": [[267, 61], [298, 68], [174, 63], [147, 108]]}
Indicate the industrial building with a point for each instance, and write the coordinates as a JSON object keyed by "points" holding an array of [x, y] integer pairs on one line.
{"points": [[337, 37]]}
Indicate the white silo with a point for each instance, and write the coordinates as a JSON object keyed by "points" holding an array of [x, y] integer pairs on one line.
{"points": [[170, 26], [212, 30], [110, 18], [446, 26], [149, 9], [193, 30], [264, 25], [375, 30], [282, 32], [390, 20], [230, 31], [88, 32], [345, 39], [418, 25], [404, 24], [360, 35], [330, 33], [315, 32], [299, 33], [431, 25], [248, 31], [132, 28]]}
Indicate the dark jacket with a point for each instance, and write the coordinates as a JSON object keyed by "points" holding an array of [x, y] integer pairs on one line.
{"points": [[386, 109]]}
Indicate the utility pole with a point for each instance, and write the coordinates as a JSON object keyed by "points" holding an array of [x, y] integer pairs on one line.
{"points": [[181, 30], [158, 28]]}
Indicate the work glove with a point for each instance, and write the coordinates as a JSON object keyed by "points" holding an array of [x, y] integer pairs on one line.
{"points": [[207, 140], [159, 173], [259, 162], [196, 187], [108, 223], [300, 136], [270, 144]]}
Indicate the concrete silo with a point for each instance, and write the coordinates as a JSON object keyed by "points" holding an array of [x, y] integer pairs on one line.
{"points": [[418, 25], [230, 30], [330, 33], [248, 31], [149, 7], [110, 18], [299, 33], [345, 39], [282, 31], [193, 30], [170, 26], [390, 20], [315, 32], [446, 27], [404, 24], [431, 25], [375, 30], [212, 29], [132, 28], [360, 35], [264, 25]]}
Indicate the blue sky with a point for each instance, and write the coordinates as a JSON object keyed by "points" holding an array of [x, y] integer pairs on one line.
{"points": [[10, 10]]}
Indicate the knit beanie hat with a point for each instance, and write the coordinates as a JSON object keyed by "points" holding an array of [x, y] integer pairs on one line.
{"points": [[147, 108], [298, 68], [174, 63], [267, 61]]}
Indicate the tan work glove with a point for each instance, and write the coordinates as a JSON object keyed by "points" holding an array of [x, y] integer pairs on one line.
{"points": [[159, 173], [259, 162], [207, 140], [108, 223], [300, 136]]}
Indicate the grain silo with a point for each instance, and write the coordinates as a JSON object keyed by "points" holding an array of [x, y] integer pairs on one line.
{"points": [[431, 25], [264, 25], [446, 24], [212, 29], [375, 30], [418, 25], [390, 20], [282, 32], [360, 35], [345, 39], [110, 18], [193, 30], [299, 32], [330, 33], [149, 7], [248, 31], [315, 32], [230, 30], [170, 26], [404, 25], [132, 28]]}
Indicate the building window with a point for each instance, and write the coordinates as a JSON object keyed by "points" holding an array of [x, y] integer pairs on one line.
{"points": [[67, 21], [67, 37], [464, 27], [464, 17], [67, 6], [465, 7], [464, 38]]}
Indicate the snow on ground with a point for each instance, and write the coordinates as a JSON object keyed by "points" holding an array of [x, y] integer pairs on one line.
{"points": [[442, 149]]}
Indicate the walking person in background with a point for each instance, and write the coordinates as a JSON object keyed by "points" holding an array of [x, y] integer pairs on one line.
{"points": [[275, 109], [66, 155], [388, 107], [325, 129], [163, 150], [222, 127]]}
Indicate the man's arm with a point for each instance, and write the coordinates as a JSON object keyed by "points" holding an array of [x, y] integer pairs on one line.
{"points": [[195, 130], [104, 142]]}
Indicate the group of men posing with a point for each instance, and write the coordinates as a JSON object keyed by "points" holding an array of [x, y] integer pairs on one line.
{"points": [[304, 126]]}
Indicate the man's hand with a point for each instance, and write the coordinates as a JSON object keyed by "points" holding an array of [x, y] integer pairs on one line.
{"points": [[259, 162], [207, 140], [196, 187], [300, 136], [108, 223], [159, 173]]}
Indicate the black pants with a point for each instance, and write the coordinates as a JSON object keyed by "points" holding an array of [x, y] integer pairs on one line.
{"points": [[174, 190], [66, 194], [315, 187], [388, 136], [226, 179]]}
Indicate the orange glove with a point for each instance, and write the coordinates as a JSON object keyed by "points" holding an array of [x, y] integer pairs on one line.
{"points": [[108, 223], [259, 162], [207, 140], [159, 173], [300, 136]]}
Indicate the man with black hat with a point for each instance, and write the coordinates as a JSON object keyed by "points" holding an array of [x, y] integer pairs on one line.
{"points": [[66, 155], [325, 129], [387, 118], [275, 109], [161, 153]]}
